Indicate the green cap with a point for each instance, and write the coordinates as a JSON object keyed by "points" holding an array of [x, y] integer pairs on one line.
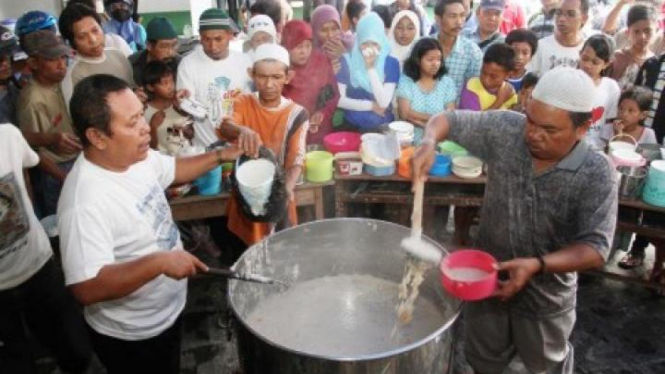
{"points": [[214, 19], [160, 28]]}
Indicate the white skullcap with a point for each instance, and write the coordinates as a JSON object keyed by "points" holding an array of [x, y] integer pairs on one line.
{"points": [[566, 88], [271, 52], [263, 23]]}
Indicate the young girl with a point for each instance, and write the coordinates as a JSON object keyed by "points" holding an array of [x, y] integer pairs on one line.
{"points": [[424, 88], [404, 33], [367, 78], [594, 59], [634, 107], [627, 62]]}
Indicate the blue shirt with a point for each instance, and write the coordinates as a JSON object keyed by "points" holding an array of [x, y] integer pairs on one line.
{"points": [[432, 102], [463, 62], [367, 120]]}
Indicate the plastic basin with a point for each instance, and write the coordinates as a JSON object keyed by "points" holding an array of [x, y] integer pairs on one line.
{"points": [[469, 274], [343, 141], [319, 166], [210, 183], [441, 166]]}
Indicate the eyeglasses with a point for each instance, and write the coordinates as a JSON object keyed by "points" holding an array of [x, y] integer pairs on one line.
{"points": [[571, 13]]}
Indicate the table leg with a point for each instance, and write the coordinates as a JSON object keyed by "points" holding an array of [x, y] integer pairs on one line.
{"points": [[318, 204], [341, 209]]}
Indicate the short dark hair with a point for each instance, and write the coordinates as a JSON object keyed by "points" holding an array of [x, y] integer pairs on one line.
{"points": [[640, 12], [412, 63], [523, 36], [89, 107], [584, 6], [385, 13], [72, 14], [602, 46], [354, 9], [639, 94], [501, 54], [154, 71], [529, 80], [440, 7], [270, 8], [579, 118]]}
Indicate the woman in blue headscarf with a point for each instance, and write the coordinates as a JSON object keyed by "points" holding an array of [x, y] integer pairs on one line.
{"points": [[368, 77]]}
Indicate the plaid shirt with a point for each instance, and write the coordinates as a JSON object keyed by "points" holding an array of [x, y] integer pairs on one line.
{"points": [[474, 36], [463, 62]]}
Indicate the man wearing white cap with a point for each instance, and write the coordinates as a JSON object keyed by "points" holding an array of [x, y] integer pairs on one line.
{"points": [[549, 211], [282, 126]]}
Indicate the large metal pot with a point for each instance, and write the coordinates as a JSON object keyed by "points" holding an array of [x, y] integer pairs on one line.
{"points": [[333, 248]]}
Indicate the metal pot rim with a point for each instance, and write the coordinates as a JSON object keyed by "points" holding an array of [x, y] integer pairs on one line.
{"points": [[377, 356]]}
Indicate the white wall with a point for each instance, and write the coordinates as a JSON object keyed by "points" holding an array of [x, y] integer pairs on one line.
{"points": [[15, 8], [153, 6]]}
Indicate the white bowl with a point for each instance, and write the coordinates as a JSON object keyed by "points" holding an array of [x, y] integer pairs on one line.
{"points": [[466, 173], [468, 163], [402, 127]]}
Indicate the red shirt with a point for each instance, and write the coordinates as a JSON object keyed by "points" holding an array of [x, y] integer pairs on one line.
{"points": [[513, 18]]}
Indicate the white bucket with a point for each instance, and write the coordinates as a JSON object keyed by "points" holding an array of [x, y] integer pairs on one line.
{"points": [[255, 179]]}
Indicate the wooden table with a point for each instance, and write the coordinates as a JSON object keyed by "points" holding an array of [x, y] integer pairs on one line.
{"points": [[199, 207], [395, 190], [654, 230]]}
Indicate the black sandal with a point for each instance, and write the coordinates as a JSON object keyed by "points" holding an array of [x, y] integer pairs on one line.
{"points": [[632, 260]]}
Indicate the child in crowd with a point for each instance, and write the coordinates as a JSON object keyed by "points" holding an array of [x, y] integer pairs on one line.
{"points": [[404, 33], [641, 22], [525, 44], [594, 59], [491, 90], [529, 81], [634, 107], [170, 129], [424, 88]]}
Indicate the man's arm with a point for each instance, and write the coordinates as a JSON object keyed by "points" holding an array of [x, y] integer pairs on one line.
{"points": [[119, 280], [576, 257], [189, 168]]}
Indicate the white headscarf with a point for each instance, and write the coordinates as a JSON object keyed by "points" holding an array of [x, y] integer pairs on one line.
{"points": [[401, 52]]}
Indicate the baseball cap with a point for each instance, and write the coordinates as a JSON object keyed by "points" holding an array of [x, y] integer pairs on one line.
{"points": [[493, 4], [45, 44]]}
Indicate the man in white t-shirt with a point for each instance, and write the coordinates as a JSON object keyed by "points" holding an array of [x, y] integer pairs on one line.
{"points": [[213, 74], [121, 250], [563, 48], [31, 285], [81, 26]]}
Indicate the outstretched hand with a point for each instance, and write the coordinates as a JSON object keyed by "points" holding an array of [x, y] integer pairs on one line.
{"points": [[520, 272]]}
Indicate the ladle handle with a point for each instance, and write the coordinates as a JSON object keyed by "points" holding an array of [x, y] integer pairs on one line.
{"points": [[417, 215]]}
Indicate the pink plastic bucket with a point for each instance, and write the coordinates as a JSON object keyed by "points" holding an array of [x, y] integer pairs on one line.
{"points": [[469, 274]]}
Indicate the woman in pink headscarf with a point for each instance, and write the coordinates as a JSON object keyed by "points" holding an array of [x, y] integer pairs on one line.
{"points": [[314, 85], [328, 35]]}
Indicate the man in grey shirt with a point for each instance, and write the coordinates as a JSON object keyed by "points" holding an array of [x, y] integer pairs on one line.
{"points": [[549, 211]]}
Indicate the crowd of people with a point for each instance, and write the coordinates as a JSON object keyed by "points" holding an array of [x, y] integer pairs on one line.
{"points": [[94, 99]]}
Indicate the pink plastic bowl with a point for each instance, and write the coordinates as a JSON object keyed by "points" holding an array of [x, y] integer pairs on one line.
{"points": [[343, 141], [470, 290]]}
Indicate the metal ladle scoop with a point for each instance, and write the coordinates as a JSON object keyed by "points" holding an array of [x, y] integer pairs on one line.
{"points": [[247, 277]]}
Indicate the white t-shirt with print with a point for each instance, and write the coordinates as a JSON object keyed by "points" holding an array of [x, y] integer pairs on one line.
{"points": [[24, 246], [551, 54], [606, 104], [208, 80], [107, 217]]}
